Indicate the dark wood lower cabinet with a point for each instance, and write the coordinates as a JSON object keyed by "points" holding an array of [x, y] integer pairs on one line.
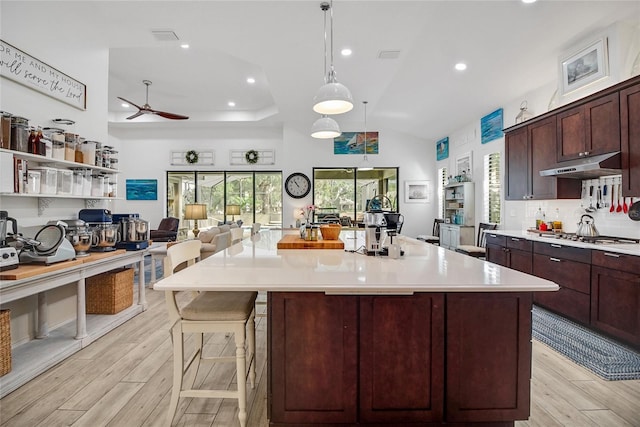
{"points": [[430, 359]]}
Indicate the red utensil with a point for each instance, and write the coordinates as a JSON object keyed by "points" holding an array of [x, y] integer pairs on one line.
{"points": [[619, 208], [625, 206], [613, 198]]}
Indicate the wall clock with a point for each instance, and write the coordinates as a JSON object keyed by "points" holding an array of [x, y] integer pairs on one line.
{"points": [[297, 185]]}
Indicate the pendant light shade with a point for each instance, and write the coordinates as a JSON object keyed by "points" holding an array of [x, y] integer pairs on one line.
{"points": [[365, 166], [324, 128], [332, 97]]}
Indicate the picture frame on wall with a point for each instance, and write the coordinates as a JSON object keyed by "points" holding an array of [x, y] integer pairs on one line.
{"points": [[491, 126], [142, 189], [464, 164], [417, 192], [442, 148], [584, 65]]}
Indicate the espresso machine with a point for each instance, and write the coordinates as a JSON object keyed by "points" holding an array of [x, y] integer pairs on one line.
{"points": [[8, 254], [374, 223], [134, 232]]}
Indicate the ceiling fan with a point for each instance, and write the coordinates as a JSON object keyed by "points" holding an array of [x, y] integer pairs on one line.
{"points": [[146, 108]]}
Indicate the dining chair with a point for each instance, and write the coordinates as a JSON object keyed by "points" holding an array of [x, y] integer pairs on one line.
{"points": [[434, 238], [479, 250], [209, 312]]}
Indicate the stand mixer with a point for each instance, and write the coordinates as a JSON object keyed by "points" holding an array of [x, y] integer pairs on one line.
{"points": [[8, 254]]}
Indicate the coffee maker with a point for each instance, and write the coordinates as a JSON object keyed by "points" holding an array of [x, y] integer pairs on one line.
{"points": [[374, 223], [8, 254]]}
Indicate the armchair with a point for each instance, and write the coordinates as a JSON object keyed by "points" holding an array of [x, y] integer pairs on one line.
{"points": [[167, 230]]}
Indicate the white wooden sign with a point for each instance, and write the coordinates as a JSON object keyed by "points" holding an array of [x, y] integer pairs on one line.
{"points": [[179, 158], [30, 72]]}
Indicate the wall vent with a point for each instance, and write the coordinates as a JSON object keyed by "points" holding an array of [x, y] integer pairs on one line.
{"points": [[164, 35], [388, 54]]}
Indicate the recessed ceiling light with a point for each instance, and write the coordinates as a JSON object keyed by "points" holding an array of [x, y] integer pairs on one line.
{"points": [[528, 1], [125, 105], [231, 104], [251, 80], [346, 51], [461, 66], [185, 45]]}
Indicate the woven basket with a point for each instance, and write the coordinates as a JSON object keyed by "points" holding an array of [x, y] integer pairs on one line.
{"points": [[110, 292], [330, 231], [5, 342]]}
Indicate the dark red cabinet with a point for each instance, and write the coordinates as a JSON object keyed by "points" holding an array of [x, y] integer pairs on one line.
{"points": [[589, 129], [396, 360], [630, 139], [508, 251]]}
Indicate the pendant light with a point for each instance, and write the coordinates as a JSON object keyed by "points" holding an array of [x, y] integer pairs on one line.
{"points": [[365, 163], [325, 127], [332, 97]]}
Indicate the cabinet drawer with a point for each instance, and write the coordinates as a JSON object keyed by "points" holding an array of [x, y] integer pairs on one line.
{"points": [[558, 250], [519, 243], [566, 273], [495, 239], [616, 261], [566, 302]]}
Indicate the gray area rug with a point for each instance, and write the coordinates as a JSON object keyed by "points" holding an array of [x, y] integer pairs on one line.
{"points": [[601, 355]]}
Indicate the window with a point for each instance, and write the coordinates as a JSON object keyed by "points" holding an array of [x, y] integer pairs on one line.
{"points": [[347, 192], [442, 181], [259, 195], [492, 188]]}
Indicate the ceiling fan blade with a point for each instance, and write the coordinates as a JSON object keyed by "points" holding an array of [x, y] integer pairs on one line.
{"points": [[130, 103], [172, 116], [138, 114]]}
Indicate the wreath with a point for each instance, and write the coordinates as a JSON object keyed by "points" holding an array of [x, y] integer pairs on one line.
{"points": [[251, 156], [191, 156]]}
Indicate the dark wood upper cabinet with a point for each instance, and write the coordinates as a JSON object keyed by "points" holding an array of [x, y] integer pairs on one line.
{"points": [[529, 150], [589, 129], [630, 138]]}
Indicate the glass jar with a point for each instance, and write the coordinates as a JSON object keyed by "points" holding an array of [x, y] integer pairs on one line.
{"points": [[5, 133], [20, 134], [97, 185]]}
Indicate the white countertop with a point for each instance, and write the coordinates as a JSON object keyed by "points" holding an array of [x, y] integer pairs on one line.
{"points": [[256, 264], [621, 248]]}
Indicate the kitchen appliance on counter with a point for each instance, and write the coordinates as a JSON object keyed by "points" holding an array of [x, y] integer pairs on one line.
{"points": [[8, 254], [373, 234], [48, 246], [79, 235], [105, 233], [587, 227], [134, 231]]}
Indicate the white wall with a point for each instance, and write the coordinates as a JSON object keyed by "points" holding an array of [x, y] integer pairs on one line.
{"points": [[624, 48]]}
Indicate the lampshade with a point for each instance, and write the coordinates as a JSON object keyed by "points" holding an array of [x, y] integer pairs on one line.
{"points": [[298, 213], [325, 127], [232, 210], [195, 211], [332, 97]]}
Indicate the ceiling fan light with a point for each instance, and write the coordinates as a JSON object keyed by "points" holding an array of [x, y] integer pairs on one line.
{"points": [[333, 98], [325, 128]]}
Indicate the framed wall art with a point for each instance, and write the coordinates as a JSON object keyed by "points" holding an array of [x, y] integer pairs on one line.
{"points": [[584, 66], [416, 192], [353, 143], [464, 164], [442, 148], [491, 126], [142, 189]]}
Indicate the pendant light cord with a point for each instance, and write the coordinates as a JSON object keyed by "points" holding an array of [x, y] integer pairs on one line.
{"points": [[332, 71], [324, 71]]}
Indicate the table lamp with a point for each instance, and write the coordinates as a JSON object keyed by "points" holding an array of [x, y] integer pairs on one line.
{"points": [[195, 212], [232, 210]]}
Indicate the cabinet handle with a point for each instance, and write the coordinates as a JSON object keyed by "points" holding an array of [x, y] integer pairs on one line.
{"points": [[493, 235], [611, 255], [554, 259], [555, 246], [515, 239]]}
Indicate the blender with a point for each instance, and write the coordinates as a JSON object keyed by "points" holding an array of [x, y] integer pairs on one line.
{"points": [[8, 254]]}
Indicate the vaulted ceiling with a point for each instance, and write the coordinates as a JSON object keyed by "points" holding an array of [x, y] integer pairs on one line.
{"points": [[510, 48]]}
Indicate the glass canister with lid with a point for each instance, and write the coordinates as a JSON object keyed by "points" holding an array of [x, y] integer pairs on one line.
{"points": [[20, 134], [5, 133]]}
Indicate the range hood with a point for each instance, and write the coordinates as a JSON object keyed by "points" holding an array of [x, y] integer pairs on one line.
{"points": [[588, 167]]}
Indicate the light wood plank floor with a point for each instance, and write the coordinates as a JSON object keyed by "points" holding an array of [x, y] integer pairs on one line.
{"points": [[124, 380]]}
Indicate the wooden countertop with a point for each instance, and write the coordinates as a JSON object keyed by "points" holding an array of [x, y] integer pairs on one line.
{"points": [[30, 270]]}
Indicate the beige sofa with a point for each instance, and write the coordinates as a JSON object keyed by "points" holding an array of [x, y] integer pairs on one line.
{"points": [[217, 238]]}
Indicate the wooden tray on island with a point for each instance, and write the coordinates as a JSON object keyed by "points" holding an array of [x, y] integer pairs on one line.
{"points": [[292, 241]]}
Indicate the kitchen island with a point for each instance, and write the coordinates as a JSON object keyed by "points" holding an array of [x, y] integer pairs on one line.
{"points": [[432, 338]]}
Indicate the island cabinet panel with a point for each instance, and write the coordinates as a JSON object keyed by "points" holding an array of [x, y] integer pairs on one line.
{"points": [[615, 295], [401, 358], [313, 358], [630, 139], [590, 129], [478, 386]]}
